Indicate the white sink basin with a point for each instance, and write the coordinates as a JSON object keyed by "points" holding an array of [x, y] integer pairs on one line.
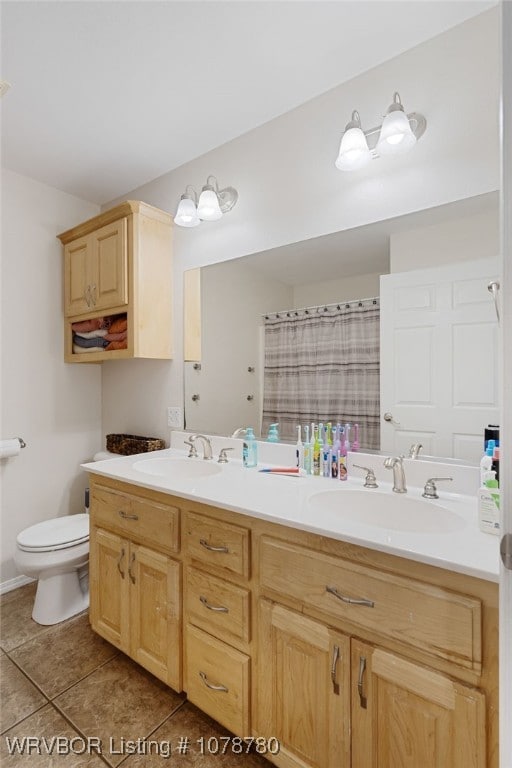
{"points": [[177, 469], [391, 511]]}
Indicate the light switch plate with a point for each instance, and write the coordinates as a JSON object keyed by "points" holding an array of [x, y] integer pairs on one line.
{"points": [[175, 417]]}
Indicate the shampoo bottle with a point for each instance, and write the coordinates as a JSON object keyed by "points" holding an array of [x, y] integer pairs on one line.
{"points": [[250, 449], [489, 504], [273, 433], [486, 460]]}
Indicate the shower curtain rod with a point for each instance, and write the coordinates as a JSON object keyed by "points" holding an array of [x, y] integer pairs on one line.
{"points": [[324, 307]]}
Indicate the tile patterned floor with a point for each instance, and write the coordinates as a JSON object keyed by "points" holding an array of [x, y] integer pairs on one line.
{"points": [[65, 681]]}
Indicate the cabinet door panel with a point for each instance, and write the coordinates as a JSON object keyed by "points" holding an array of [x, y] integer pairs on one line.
{"points": [[414, 717], [155, 614], [109, 587], [76, 277], [303, 688], [110, 262]]}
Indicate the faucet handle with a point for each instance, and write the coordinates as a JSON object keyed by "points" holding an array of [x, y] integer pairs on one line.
{"points": [[370, 480], [192, 453], [223, 459], [430, 490]]}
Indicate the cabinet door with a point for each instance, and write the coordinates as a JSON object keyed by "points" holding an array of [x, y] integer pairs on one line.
{"points": [[155, 614], [407, 716], [303, 688], [77, 298], [109, 587], [109, 264]]}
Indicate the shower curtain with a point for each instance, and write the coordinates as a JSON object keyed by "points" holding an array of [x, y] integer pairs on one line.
{"points": [[322, 365]]}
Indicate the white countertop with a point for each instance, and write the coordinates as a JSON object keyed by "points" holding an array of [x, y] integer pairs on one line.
{"points": [[286, 500]]}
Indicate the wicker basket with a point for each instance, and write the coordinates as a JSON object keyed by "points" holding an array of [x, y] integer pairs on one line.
{"points": [[127, 445]]}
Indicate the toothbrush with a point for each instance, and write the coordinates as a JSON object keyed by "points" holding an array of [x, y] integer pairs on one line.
{"points": [[347, 435], [355, 442], [307, 452], [326, 454], [300, 448]]}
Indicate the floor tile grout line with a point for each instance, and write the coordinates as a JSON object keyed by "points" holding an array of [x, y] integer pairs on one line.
{"points": [[26, 717], [44, 631], [76, 728], [151, 733]]}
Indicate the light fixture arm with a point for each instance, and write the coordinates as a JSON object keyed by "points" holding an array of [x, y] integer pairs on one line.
{"points": [[187, 195]]}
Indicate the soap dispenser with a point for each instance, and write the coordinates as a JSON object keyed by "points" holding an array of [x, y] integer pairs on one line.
{"points": [[250, 449], [273, 433]]}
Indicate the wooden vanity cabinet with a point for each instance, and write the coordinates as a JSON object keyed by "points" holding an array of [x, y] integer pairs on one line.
{"points": [[350, 657], [120, 263], [217, 618], [135, 585]]}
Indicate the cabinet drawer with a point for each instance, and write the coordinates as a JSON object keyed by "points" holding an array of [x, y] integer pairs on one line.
{"points": [[150, 522], [220, 544], [217, 680], [433, 620], [217, 606]]}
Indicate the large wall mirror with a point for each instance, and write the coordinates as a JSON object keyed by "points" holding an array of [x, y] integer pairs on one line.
{"points": [[225, 304]]}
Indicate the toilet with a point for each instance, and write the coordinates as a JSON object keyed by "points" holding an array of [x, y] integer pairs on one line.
{"points": [[56, 552]]}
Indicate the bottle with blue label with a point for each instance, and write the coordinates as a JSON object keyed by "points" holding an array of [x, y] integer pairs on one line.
{"points": [[250, 449]]}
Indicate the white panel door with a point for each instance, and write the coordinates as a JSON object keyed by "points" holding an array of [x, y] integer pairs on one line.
{"points": [[439, 359]]}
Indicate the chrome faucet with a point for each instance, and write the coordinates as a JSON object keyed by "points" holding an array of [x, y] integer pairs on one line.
{"points": [[396, 464], [207, 446], [239, 431], [414, 450]]}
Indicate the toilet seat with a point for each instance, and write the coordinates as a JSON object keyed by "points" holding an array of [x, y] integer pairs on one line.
{"points": [[57, 533]]}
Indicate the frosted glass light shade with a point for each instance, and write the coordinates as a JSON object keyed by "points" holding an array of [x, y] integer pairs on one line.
{"points": [[186, 215], [208, 208], [396, 136], [354, 152]]}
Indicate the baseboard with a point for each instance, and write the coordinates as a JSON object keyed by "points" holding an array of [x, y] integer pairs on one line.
{"points": [[10, 584]]}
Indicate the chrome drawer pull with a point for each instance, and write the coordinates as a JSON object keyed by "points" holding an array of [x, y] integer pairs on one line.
{"points": [[126, 516], [205, 544], [120, 560], [362, 667], [335, 659], [350, 600], [219, 608], [213, 687]]}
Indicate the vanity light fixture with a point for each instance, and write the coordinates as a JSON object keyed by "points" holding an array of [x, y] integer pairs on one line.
{"points": [[397, 135], [212, 204]]}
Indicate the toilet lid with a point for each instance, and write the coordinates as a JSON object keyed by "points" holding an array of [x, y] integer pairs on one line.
{"points": [[57, 533]]}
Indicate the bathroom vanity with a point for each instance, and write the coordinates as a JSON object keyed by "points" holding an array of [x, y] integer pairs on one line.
{"points": [[347, 652]]}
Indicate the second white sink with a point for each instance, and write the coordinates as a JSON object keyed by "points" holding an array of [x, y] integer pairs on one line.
{"points": [[177, 469], [385, 510]]}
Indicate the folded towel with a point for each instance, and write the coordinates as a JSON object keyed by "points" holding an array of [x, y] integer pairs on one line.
{"points": [[116, 336], [116, 345], [77, 350], [84, 326], [100, 333], [94, 342], [119, 325]]}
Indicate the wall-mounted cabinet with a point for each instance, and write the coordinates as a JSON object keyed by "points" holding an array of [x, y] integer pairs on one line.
{"points": [[118, 266]]}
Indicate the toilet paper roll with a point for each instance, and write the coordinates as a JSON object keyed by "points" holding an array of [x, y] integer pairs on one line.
{"points": [[9, 448]]}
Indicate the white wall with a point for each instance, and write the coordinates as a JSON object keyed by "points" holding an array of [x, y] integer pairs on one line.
{"points": [[54, 406], [290, 189], [341, 289], [234, 295], [461, 239]]}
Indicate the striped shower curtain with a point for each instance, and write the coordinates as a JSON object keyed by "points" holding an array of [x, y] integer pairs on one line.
{"points": [[322, 365]]}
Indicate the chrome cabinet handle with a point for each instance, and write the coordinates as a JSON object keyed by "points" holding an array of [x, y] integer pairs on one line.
{"points": [[130, 574], [335, 659], [210, 685], [211, 548], [219, 608], [87, 295], [362, 667], [126, 516], [120, 560], [350, 600]]}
